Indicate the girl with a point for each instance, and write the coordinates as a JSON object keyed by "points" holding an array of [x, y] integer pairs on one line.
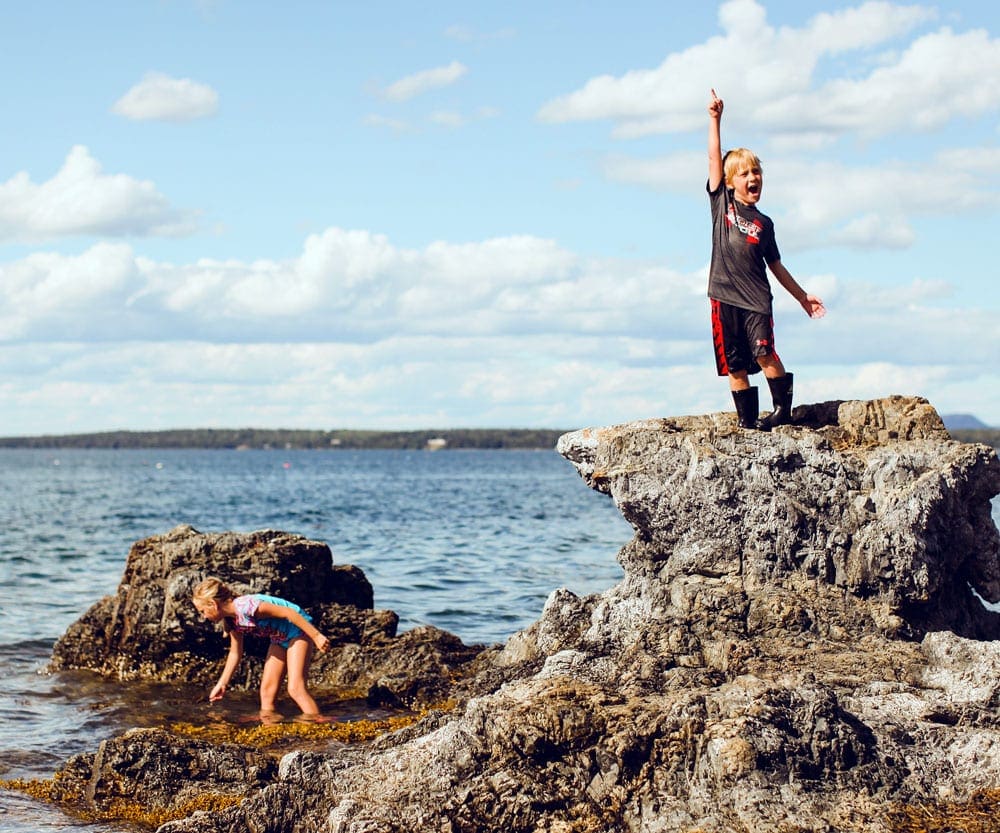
{"points": [[289, 628]]}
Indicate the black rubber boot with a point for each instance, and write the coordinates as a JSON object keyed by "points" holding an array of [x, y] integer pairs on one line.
{"points": [[747, 407], [781, 395]]}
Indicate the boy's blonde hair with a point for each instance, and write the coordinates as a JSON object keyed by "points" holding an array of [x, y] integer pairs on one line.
{"points": [[739, 159]]}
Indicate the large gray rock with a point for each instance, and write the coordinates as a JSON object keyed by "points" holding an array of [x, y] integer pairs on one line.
{"points": [[798, 643], [873, 499]]}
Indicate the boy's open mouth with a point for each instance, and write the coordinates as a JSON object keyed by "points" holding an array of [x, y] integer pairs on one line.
{"points": [[753, 187]]}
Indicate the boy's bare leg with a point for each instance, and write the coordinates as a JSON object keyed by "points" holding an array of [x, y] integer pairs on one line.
{"points": [[772, 366], [739, 380]]}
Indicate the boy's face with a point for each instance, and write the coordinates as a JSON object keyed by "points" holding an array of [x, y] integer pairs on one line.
{"points": [[747, 183]]}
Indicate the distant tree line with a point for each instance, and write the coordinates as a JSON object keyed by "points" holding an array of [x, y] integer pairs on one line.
{"points": [[264, 438], [261, 438]]}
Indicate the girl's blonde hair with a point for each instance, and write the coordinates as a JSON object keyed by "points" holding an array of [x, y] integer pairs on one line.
{"points": [[738, 159], [213, 590]]}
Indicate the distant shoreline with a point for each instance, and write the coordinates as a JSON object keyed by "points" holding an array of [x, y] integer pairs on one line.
{"points": [[304, 439], [291, 439]]}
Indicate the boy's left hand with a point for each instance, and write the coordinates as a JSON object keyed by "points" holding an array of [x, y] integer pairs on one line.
{"points": [[813, 306], [715, 106]]}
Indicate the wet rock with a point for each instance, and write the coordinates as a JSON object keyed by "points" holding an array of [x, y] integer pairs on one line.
{"points": [[151, 630], [148, 776]]}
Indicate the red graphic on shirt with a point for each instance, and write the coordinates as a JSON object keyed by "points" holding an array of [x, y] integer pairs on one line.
{"points": [[750, 228]]}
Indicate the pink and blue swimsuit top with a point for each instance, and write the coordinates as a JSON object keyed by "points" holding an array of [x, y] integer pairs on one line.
{"points": [[279, 631]]}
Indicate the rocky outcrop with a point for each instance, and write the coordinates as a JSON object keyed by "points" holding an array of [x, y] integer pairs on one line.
{"points": [[799, 643], [150, 629], [149, 775], [872, 499]]}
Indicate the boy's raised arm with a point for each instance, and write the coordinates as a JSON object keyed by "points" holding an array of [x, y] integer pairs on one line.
{"points": [[715, 172]]}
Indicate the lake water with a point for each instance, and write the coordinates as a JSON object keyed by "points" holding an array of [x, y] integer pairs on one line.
{"points": [[470, 541]]}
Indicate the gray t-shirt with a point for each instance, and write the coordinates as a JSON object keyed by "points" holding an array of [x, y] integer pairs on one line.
{"points": [[742, 245]]}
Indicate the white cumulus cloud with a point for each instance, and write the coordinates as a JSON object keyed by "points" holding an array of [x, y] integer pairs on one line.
{"points": [[83, 200], [351, 286], [159, 97], [354, 287], [771, 75], [939, 77], [68, 296]]}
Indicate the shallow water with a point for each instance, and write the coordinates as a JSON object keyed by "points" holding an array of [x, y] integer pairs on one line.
{"points": [[472, 542]]}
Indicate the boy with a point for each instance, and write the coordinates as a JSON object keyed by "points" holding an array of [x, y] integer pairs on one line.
{"points": [[742, 244]]}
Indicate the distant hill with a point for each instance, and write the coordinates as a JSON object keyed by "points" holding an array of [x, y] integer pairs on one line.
{"points": [[260, 438], [964, 422]]}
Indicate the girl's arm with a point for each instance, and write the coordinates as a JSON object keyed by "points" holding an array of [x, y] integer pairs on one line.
{"points": [[273, 611], [232, 663], [715, 172], [810, 303]]}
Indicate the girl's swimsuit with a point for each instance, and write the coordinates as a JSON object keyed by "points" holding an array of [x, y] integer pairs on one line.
{"points": [[279, 631]]}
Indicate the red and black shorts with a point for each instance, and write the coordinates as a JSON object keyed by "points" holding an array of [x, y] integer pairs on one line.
{"points": [[740, 337]]}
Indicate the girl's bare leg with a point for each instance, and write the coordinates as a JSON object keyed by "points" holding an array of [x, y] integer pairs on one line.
{"points": [[299, 657], [270, 678]]}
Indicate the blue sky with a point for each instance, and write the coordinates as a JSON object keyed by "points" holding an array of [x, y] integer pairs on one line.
{"points": [[329, 215]]}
